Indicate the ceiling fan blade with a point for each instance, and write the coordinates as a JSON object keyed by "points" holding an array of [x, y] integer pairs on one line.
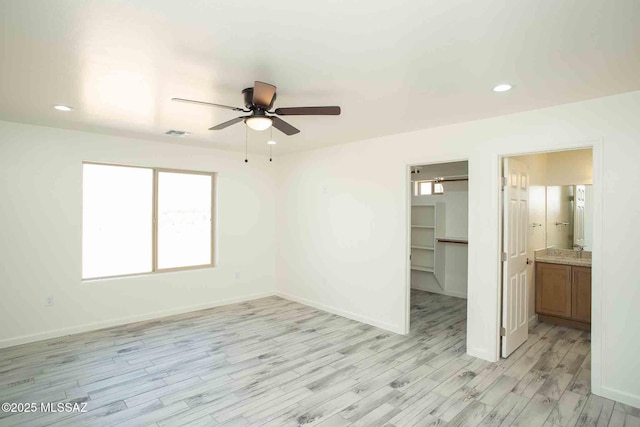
{"points": [[209, 104], [263, 94], [283, 126], [308, 111], [227, 124]]}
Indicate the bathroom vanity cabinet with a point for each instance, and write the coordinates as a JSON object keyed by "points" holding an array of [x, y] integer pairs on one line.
{"points": [[563, 294]]}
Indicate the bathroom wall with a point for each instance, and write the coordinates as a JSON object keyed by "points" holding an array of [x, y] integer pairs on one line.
{"points": [[570, 167]]}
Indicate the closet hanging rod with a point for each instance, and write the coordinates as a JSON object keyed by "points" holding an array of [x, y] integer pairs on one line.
{"points": [[452, 178]]}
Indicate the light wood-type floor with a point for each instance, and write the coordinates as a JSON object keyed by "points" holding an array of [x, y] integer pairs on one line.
{"points": [[279, 363]]}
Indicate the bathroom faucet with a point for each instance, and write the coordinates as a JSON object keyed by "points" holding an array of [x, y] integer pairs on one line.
{"points": [[580, 249]]}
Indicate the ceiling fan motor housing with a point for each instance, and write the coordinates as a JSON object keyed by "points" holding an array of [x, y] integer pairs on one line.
{"points": [[248, 100]]}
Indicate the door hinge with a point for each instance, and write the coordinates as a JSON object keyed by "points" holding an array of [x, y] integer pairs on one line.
{"points": [[503, 181], [503, 332], [504, 256]]}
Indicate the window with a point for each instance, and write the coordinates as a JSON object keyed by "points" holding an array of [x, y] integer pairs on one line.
{"points": [[427, 188], [141, 220], [184, 220]]}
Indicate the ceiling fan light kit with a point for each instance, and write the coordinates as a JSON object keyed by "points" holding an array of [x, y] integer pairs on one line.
{"points": [[258, 122]]}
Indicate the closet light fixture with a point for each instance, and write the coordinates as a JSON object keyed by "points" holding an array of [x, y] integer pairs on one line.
{"points": [[63, 108]]}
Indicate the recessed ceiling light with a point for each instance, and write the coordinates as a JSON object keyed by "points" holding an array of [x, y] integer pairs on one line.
{"points": [[62, 108], [271, 142], [502, 87]]}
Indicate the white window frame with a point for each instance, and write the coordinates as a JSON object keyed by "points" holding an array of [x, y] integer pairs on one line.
{"points": [[432, 183], [154, 222]]}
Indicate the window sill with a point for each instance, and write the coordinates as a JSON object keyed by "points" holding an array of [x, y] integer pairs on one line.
{"points": [[150, 273]]}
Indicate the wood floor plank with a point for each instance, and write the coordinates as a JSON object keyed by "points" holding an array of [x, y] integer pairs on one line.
{"points": [[596, 412], [536, 412], [506, 412], [277, 362], [569, 407]]}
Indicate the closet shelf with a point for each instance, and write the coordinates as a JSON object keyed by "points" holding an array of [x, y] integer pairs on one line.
{"points": [[423, 226], [426, 248], [422, 268], [452, 240]]}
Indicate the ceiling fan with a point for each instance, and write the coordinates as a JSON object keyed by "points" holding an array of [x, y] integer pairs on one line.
{"points": [[258, 100]]}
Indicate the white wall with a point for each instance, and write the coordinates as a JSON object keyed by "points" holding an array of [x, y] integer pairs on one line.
{"points": [[40, 234], [343, 231]]}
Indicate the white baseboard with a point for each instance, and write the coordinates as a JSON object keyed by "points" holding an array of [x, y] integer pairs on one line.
{"points": [[87, 327], [481, 353], [454, 294], [349, 315], [533, 319], [620, 396]]}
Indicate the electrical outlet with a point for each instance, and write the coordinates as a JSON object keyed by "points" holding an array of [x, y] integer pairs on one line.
{"points": [[48, 301]]}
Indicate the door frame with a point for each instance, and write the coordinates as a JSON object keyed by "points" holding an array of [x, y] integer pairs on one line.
{"points": [[597, 251], [409, 196]]}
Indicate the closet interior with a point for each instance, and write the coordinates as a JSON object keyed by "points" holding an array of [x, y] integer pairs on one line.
{"points": [[439, 228]]}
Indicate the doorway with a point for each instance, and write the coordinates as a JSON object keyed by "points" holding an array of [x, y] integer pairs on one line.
{"points": [[439, 215], [547, 242]]}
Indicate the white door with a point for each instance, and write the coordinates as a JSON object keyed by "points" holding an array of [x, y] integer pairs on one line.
{"points": [[514, 270]]}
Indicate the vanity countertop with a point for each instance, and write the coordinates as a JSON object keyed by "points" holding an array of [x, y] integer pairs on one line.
{"points": [[564, 256]]}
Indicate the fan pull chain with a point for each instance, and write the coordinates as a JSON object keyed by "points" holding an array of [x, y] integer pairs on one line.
{"points": [[270, 145], [246, 144]]}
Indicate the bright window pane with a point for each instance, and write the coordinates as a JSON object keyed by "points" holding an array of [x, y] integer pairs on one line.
{"points": [[438, 188], [424, 188], [184, 219], [117, 209]]}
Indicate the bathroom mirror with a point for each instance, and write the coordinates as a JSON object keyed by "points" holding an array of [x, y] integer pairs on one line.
{"points": [[561, 216], [568, 216]]}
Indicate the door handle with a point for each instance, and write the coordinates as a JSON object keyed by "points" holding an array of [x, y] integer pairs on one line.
{"points": [[529, 261]]}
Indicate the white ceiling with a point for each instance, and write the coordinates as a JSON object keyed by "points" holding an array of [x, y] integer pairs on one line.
{"points": [[393, 66]]}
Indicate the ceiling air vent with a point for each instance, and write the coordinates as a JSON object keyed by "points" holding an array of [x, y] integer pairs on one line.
{"points": [[174, 132]]}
